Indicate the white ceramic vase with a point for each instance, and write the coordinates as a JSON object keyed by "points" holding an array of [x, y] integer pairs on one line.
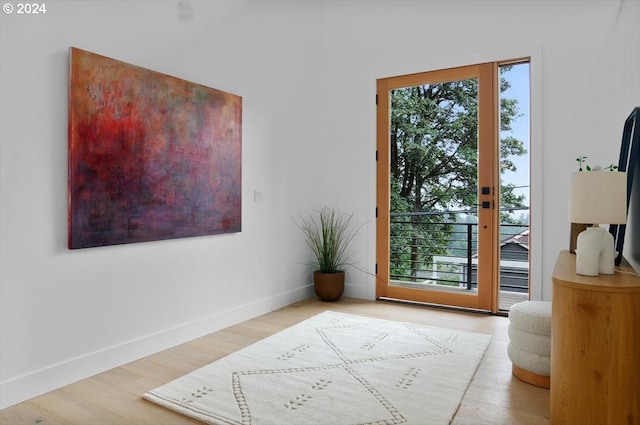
{"points": [[595, 253]]}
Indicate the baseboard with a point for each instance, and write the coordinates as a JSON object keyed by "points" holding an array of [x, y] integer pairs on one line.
{"points": [[38, 382]]}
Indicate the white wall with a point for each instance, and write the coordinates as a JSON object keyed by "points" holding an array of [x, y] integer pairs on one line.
{"points": [[69, 314], [585, 70], [306, 71]]}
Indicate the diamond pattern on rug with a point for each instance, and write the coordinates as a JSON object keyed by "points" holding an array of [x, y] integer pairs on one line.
{"points": [[375, 344], [334, 368], [311, 389]]}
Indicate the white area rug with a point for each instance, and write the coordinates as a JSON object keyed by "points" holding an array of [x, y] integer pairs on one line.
{"points": [[334, 369]]}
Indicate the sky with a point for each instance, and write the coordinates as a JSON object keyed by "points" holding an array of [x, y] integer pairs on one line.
{"points": [[518, 76]]}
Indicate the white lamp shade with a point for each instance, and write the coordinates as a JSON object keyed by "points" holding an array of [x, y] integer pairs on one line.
{"points": [[598, 197]]}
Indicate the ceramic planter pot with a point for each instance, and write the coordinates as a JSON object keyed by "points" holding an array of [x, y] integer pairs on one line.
{"points": [[328, 286]]}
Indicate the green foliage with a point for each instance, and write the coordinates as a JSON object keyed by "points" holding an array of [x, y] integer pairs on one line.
{"points": [[582, 159], [328, 233], [434, 164], [414, 242]]}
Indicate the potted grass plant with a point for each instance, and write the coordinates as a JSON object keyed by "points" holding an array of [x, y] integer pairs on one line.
{"points": [[328, 233]]}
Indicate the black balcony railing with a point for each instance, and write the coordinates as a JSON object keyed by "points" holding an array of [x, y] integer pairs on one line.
{"points": [[441, 248]]}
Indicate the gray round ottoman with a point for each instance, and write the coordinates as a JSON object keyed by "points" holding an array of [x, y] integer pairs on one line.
{"points": [[530, 342]]}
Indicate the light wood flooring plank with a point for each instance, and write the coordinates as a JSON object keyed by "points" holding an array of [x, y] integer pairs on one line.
{"points": [[114, 397]]}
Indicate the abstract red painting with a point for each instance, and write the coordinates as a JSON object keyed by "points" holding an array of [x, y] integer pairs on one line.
{"points": [[151, 156]]}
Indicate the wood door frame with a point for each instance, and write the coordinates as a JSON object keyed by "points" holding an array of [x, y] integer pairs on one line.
{"points": [[488, 219]]}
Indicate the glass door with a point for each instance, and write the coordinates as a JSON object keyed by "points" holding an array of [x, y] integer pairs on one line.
{"points": [[437, 221], [514, 183]]}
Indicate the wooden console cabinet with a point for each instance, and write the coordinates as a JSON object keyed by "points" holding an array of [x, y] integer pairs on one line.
{"points": [[595, 347]]}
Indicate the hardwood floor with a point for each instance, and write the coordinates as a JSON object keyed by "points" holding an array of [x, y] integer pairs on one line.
{"points": [[114, 397]]}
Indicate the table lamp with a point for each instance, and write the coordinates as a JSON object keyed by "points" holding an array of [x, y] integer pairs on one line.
{"points": [[597, 197]]}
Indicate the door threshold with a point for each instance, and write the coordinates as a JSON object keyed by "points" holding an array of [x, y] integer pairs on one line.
{"points": [[440, 306]]}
